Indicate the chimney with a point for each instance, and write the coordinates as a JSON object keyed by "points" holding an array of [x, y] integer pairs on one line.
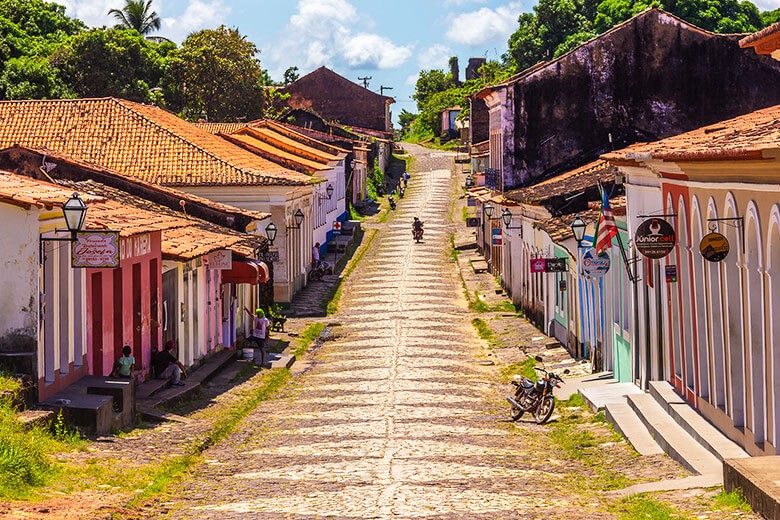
{"points": [[455, 70], [473, 67]]}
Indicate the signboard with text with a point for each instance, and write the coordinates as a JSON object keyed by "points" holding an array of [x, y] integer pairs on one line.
{"points": [[336, 227], [555, 265], [593, 265], [538, 265], [655, 238], [671, 274], [497, 237], [96, 249], [714, 247], [220, 259]]}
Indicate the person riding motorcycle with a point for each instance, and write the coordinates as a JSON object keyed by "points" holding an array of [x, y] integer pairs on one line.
{"points": [[417, 224]]}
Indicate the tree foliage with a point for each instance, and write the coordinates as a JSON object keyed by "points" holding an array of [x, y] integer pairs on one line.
{"points": [[215, 75], [430, 82], [110, 62], [138, 15]]}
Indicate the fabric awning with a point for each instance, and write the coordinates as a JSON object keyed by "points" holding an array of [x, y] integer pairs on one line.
{"points": [[243, 271], [265, 274]]}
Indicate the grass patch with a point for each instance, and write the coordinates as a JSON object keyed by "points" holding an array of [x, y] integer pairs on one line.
{"points": [[477, 304], [483, 330], [308, 335], [734, 501], [574, 400], [453, 252], [523, 368], [464, 211], [640, 506], [25, 454], [350, 267], [9, 383]]}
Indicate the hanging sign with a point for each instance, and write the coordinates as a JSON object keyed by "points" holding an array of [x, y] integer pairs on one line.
{"points": [[555, 265], [220, 259], [671, 274], [714, 247], [655, 238], [336, 227], [538, 265], [96, 249], [472, 222], [562, 285], [593, 265], [497, 236], [471, 201]]}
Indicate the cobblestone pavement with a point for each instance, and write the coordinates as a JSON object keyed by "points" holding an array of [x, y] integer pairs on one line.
{"points": [[396, 416]]}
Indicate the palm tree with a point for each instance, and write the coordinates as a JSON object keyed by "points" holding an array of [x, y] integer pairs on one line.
{"points": [[138, 15]]}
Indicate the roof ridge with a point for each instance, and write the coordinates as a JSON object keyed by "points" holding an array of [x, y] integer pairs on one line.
{"points": [[121, 102]]}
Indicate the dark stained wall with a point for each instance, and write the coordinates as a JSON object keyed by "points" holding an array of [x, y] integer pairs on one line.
{"points": [[335, 98], [479, 121], [650, 78]]}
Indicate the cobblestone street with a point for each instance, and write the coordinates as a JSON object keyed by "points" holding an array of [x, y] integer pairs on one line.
{"points": [[399, 415]]}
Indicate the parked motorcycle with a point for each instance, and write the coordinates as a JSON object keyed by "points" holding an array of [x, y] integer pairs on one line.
{"points": [[400, 192], [321, 270], [391, 200], [535, 397]]}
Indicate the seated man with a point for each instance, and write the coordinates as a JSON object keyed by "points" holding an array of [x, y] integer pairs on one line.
{"points": [[166, 365]]}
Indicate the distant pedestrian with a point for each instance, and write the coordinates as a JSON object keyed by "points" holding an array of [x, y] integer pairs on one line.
{"points": [[260, 327], [315, 256], [166, 365], [123, 367]]}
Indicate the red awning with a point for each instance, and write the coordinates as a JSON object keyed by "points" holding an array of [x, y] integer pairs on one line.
{"points": [[265, 274], [243, 271]]}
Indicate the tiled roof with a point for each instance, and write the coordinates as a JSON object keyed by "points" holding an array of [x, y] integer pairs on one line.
{"points": [[573, 181], [248, 139], [744, 137], [194, 238], [139, 140], [559, 228], [26, 192], [769, 36], [221, 128], [52, 156]]}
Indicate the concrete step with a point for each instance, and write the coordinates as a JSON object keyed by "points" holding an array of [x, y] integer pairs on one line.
{"points": [[672, 438], [599, 395], [627, 423], [694, 424]]}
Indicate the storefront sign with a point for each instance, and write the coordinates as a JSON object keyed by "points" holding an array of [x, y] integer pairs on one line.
{"points": [[472, 222], [272, 255], [336, 227], [137, 245], [555, 265], [98, 249], [538, 265], [593, 265], [497, 236], [655, 238], [562, 285], [714, 247], [671, 274], [471, 201], [220, 259]]}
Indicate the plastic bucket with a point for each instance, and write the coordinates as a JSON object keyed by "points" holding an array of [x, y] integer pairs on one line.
{"points": [[248, 353]]}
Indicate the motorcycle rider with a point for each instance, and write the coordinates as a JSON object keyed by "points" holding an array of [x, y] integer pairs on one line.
{"points": [[417, 226]]}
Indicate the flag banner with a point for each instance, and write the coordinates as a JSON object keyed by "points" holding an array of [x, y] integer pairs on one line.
{"points": [[607, 229]]}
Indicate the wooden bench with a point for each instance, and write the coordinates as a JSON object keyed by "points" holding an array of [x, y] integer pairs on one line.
{"points": [[479, 266]]}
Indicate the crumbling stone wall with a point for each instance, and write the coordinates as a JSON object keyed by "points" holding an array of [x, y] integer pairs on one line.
{"points": [[650, 78]]}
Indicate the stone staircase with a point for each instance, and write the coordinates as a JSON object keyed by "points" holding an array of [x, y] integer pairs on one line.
{"points": [[661, 421]]}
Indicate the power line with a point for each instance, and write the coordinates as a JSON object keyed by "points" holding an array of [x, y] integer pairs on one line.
{"points": [[365, 81]]}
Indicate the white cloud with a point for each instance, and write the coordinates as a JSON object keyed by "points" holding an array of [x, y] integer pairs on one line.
{"points": [[485, 25], [332, 33], [434, 57], [412, 80], [199, 14], [767, 5], [450, 3]]}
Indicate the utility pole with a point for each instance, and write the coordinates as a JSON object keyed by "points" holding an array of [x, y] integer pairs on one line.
{"points": [[382, 89], [365, 81]]}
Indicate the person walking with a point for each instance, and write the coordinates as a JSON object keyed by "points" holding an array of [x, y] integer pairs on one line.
{"points": [[315, 256], [260, 325]]}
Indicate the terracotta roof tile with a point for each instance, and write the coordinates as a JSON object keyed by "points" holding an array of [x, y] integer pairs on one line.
{"points": [[139, 140], [53, 156], [559, 228], [24, 191], [576, 180], [254, 141], [769, 36], [744, 137]]}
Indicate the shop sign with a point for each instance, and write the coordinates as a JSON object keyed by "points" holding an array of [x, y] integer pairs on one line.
{"points": [[272, 255], [593, 265], [471, 201], [655, 238], [497, 236], [220, 259], [336, 227], [562, 285], [97, 249], [671, 274], [538, 265], [714, 247], [472, 222], [555, 265]]}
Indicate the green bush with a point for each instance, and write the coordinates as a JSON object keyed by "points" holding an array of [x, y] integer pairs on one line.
{"points": [[23, 458]]}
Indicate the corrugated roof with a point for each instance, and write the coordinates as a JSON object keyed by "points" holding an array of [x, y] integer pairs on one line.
{"points": [[743, 137], [139, 140]]}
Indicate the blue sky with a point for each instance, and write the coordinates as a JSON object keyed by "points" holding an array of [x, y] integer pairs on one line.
{"points": [[390, 41]]}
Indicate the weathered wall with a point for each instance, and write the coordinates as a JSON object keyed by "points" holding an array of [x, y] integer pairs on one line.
{"points": [[337, 99], [18, 279], [650, 78], [479, 121]]}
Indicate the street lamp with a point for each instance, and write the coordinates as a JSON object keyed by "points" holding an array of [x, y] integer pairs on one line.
{"points": [[270, 232], [328, 191], [578, 228], [506, 216], [298, 216], [488, 210], [74, 211]]}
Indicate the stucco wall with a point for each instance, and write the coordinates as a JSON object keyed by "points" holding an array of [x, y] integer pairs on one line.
{"points": [[651, 78], [18, 279]]}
